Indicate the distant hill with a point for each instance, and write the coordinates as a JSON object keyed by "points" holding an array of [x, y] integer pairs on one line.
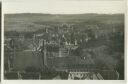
{"points": [[32, 21]]}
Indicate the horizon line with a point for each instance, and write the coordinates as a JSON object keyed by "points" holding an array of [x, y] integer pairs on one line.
{"points": [[64, 13]]}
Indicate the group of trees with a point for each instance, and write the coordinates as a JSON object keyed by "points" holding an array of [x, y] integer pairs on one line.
{"points": [[107, 50]]}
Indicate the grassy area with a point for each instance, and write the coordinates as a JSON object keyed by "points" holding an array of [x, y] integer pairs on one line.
{"points": [[32, 22], [24, 59]]}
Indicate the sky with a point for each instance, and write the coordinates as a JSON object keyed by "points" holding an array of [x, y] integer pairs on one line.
{"points": [[64, 6]]}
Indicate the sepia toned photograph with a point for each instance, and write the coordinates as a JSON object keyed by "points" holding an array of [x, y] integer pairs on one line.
{"points": [[64, 40]]}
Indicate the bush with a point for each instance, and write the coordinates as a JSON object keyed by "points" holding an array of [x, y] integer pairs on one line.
{"points": [[32, 69]]}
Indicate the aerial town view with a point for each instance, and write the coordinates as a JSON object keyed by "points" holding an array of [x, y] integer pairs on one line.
{"points": [[66, 47], [82, 46]]}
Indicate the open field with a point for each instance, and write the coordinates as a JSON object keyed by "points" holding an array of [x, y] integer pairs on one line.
{"points": [[33, 22]]}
